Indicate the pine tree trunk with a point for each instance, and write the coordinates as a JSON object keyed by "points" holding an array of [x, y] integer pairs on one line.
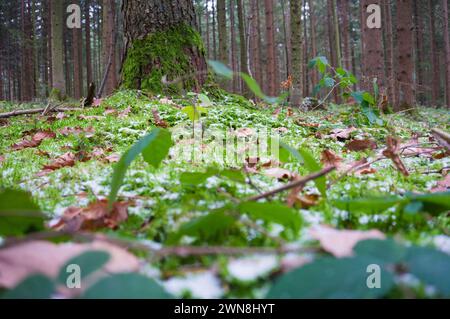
{"points": [[287, 37], [343, 10], [162, 42], [314, 75], [436, 83], [390, 52], [296, 45], [57, 49], [222, 28], [214, 30], [243, 45], [306, 57], [255, 48], [77, 62], [405, 62], [89, 78], [233, 51], [208, 51], [372, 50], [109, 46], [447, 51], [418, 29], [271, 50]]}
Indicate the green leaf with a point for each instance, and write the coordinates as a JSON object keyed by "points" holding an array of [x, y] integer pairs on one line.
{"points": [[329, 82], [358, 96], [194, 113], [434, 204], [387, 251], [367, 205], [155, 147], [320, 63], [256, 89], [19, 215], [431, 266], [126, 286], [311, 165], [33, 287], [212, 226], [369, 98], [274, 213], [195, 178], [233, 175], [89, 262], [331, 278], [204, 100], [221, 69]]}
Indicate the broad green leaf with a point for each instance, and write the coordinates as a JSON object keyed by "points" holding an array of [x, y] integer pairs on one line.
{"points": [[369, 98], [329, 82], [126, 286], [89, 262], [33, 287], [311, 165], [320, 63], [386, 250], [369, 113], [431, 266], [19, 215], [331, 278], [367, 205], [195, 178], [341, 72], [204, 100], [358, 96], [434, 204], [274, 213], [221, 69], [154, 147], [234, 175], [194, 113], [211, 227], [256, 89]]}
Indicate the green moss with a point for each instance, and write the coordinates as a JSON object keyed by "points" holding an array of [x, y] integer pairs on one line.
{"points": [[162, 54]]}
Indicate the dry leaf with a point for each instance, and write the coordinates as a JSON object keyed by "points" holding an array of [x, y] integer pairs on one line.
{"points": [[20, 261], [89, 131], [276, 112], [93, 217], [158, 121], [113, 158], [340, 243], [245, 132], [392, 152], [97, 102], [329, 158], [300, 122], [125, 113], [443, 185], [65, 160], [279, 173], [342, 134], [35, 141], [361, 145]]}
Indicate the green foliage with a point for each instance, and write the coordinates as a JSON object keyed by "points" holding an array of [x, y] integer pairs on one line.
{"points": [[164, 54], [89, 262], [19, 214], [194, 112], [126, 286], [154, 147], [33, 287], [331, 278]]}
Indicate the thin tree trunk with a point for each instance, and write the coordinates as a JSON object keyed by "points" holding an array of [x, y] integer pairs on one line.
{"points": [[57, 49], [434, 55], [343, 10], [208, 49], [243, 45], [255, 53], [447, 51], [222, 28], [109, 45], [390, 52], [305, 52], [296, 45], [77, 62], [314, 75], [287, 36], [214, 31], [89, 78], [233, 51], [271, 50], [418, 29]]}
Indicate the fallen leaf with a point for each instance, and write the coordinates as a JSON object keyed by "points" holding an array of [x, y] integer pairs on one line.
{"points": [[361, 145], [329, 158], [65, 160], [113, 158], [89, 131], [97, 102], [61, 115], [279, 173], [35, 140], [289, 112], [93, 217], [340, 243], [392, 152], [300, 122], [276, 112], [158, 121], [41, 257], [125, 113], [342, 134], [245, 132], [302, 201], [91, 117]]}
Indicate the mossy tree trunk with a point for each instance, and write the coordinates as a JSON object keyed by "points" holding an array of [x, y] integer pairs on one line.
{"points": [[164, 53]]}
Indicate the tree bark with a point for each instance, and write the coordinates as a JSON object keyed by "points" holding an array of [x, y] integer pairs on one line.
{"points": [[447, 51], [390, 52], [77, 61], [314, 75], [343, 10], [162, 43], [88, 44], [296, 45], [436, 85], [222, 28], [109, 46], [243, 45], [255, 38], [405, 62], [233, 51], [271, 50], [57, 49]]}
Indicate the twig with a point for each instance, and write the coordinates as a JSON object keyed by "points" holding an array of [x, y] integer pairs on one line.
{"points": [[298, 183], [35, 111]]}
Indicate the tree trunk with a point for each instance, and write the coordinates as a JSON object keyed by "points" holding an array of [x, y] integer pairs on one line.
{"points": [[287, 37], [418, 32], [405, 62], [208, 52], [214, 30], [436, 83], [222, 27], [233, 51], [243, 45], [255, 48], [109, 46], [306, 57], [57, 49], [77, 61], [343, 10], [89, 79], [271, 50], [162, 41], [296, 45], [314, 75], [372, 49], [390, 52], [447, 51]]}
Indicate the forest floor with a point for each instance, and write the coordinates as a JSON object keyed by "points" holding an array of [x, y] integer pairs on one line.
{"points": [[168, 207]]}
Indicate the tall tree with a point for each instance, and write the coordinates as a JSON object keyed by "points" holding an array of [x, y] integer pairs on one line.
{"points": [[434, 54], [312, 19], [390, 51], [57, 48], [222, 28], [343, 10], [405, 62], [233, 51], [109, 47], [162, 43], [372, 46], [418, 34], [255, 40], [243, 44], [27, 54], [77, 61], [296, 45], [87, 14], [272, 70], [447, 51]]}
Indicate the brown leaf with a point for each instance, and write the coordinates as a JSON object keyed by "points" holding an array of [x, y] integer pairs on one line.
{"points": [[329, 158], [301, 122], [113, 158], [276, 112], [35, 141], [340, 243], [89, 131], [41, 257], [361, 145], [65, 160], [302, 201], [279, 173], [125, 113], [93, 217], [91, 117], [342, 134], [158, 121], [97, 102], [245, 132], [392, 152]]}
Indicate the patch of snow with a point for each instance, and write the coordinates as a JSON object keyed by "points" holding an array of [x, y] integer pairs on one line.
{"points": [[249, 269], [442, 242], [201, 285]]}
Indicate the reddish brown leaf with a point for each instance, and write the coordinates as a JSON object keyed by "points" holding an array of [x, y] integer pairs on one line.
{"points": [[443, 185], [158, 121], [89, 131], [276, 112], [392, 152], [329, 158], [93, 217], [342, 134], [35, 141], [97, 102], [279, 173], [113, 158], [125, 113], [361, 145]]}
